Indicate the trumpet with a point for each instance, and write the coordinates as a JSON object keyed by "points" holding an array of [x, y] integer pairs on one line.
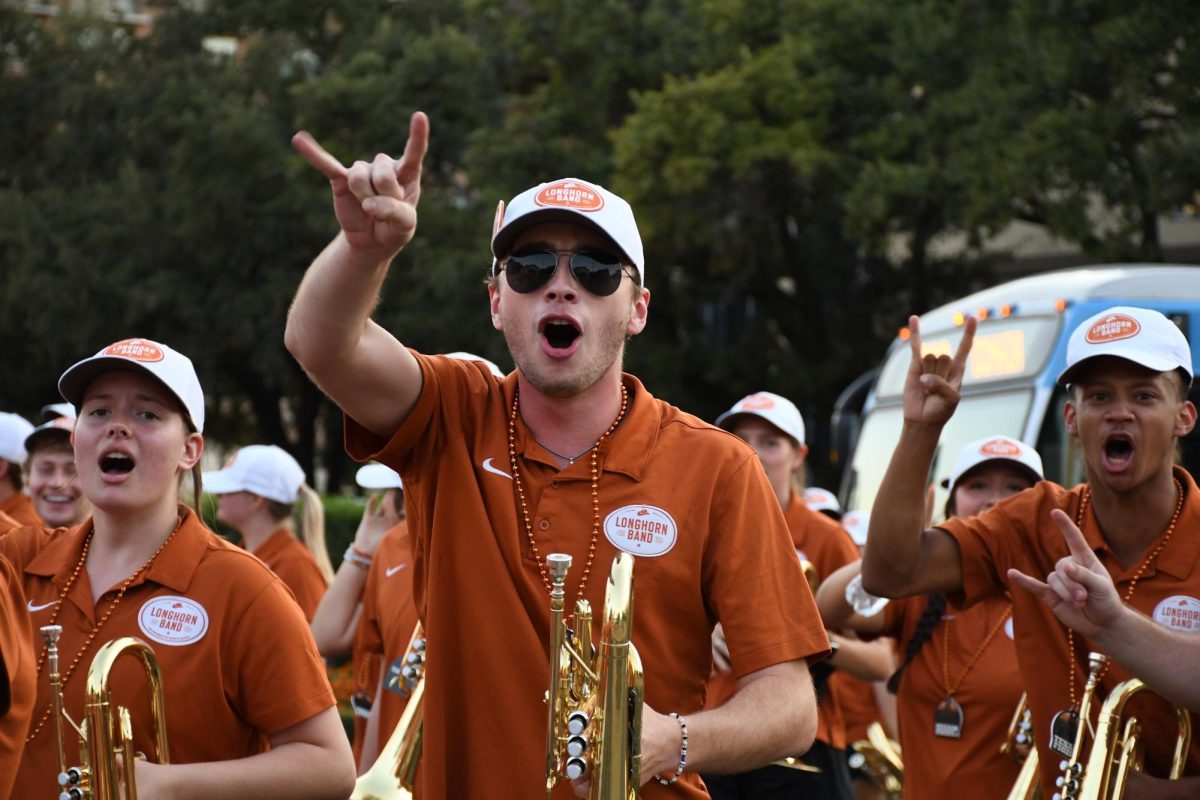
{"points": [[594, 703], [96, 776], [394, 772], [1117, 748], [1071, 779], [879, 757], [1018, 746]]}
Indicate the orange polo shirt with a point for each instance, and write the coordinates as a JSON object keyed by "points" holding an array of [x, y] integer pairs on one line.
{"points": [[294, 564], [7, 523], [237, 659], [20, 507], [387, 623], [828, 547], [17, 671], [936, 766], [679, 493], [1018, 533]]}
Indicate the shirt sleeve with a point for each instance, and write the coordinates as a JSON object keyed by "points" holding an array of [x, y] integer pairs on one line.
{"points": [[753, 578]]}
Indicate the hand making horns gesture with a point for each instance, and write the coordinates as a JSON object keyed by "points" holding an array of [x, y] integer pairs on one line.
{"points": [[1079, 591], [375, 203], [931, 388]]}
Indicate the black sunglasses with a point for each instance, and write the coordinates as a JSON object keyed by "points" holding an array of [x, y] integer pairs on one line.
{"points": [[596, 271]]}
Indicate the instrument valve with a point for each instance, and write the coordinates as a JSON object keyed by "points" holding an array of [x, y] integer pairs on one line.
{"points": [[576, 746], [576, 768], [577, 722]]}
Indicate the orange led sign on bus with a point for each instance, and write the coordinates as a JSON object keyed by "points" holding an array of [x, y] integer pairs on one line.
{"points": [[994, 355]]}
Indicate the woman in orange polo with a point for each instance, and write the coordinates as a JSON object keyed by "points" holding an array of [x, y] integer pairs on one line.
{"points": [[958, 684], [244, 684], [258, 490]]}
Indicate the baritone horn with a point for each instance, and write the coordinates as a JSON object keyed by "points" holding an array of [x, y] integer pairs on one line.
{"points": [[394, 772], [1117, 748], [594, 704], [107, 730]]}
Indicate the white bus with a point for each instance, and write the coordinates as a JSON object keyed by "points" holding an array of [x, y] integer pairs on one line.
{"points": [[1009, 387]]}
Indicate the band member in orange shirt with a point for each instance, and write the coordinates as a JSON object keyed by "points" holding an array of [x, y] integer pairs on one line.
{"points": [[51, 475], [13, 501], [957, 663], [1127, 374], [18, 676], [243, 682], [257, 493], [566, 454]]}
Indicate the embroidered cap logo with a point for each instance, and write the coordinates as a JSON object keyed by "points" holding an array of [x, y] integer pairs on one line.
{"points": [[999, 447], [136, 350], [1113, 328], [572, 194], [757, 402]]}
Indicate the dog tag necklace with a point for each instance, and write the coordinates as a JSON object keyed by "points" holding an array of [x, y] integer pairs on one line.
{"points": [[948, 716]]}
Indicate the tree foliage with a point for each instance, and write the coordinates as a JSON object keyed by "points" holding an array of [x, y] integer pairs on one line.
{"points": [[797, 166]]}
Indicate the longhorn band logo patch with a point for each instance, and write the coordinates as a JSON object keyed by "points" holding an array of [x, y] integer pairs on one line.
{"points": [[642, 530], [1179, 613], [1113, 328], [173, 620], [571, 194], [999, 447], [135, 350]]}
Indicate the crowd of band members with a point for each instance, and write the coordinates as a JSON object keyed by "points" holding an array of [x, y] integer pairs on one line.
{"points": [[483, 473]]}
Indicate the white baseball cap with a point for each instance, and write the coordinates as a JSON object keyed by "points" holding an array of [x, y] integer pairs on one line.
{"points": [[14, 429], [464, 356], [994, 448], [58, 428], [819, 499], [1135, 334], [856, 524], [263, 469], [52, 410], [378, 476], [777, 410], [569, 200], [171, 368]]}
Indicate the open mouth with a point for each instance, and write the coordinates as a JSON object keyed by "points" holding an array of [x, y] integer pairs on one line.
{"points": [[1118, 449], [116, 464], [560, 334]]}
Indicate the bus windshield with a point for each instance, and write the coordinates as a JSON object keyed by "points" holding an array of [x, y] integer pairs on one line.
{"points": [[978, 415]]}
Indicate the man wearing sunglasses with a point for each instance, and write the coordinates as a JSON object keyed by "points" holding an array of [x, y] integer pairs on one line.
{"points": [[564, 455]]}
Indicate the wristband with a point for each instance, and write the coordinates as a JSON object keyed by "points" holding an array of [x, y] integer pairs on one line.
{"points": [[682, 752], [356, 557]]}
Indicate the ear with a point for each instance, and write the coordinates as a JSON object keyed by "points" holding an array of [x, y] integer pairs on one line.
{"points": [[193, 448], [494, 304], [641, 309], [1185, 420], [1069, 418], [798, 456]]}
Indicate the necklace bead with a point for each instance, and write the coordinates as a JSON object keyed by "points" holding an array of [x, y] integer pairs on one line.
{"points": [[595, 474]]}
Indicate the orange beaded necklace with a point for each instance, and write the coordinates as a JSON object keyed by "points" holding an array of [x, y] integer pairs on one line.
{"points": [[595, 471]]}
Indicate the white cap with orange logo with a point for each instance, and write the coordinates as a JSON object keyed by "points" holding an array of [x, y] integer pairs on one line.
{"points": [[13, 430], [569, 200], [857, 523], [777, 410], [171, 368], [58, 429], [994, 448], [819, 499], [1139, 335], [262, 469]]}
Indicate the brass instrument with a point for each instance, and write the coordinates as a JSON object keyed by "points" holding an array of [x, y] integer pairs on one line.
{"points": [[394, 772], [594, 704], [1070, 782], [1018, 746], [879, 757], [96, 777], [1117, 748]]}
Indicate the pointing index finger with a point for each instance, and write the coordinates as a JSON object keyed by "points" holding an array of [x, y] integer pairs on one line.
{"points": [[318, 156]]}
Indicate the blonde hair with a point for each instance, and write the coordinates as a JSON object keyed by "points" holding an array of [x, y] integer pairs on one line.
{"points": [[312, 526]]}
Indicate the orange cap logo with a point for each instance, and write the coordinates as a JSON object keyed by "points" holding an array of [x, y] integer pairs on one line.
{"points": [[575, 195], [1000, 447], [1113, 328], [499, 220], [136, 350], [758, 402]]}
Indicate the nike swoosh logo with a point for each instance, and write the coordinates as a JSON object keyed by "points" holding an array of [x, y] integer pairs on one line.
{"points": [[487, 465], [32, 607], [390, 571]]}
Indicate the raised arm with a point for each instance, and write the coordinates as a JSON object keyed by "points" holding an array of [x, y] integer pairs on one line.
{"points": [[1082, 595], [361, 366], [902, 557]]}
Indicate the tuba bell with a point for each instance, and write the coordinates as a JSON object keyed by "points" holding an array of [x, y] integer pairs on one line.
{"points": [[394, 772], [594, 703], [107, 730]]}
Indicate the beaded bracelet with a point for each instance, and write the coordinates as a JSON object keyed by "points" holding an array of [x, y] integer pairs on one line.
{"points": [[356, 557], [682, 752]]}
